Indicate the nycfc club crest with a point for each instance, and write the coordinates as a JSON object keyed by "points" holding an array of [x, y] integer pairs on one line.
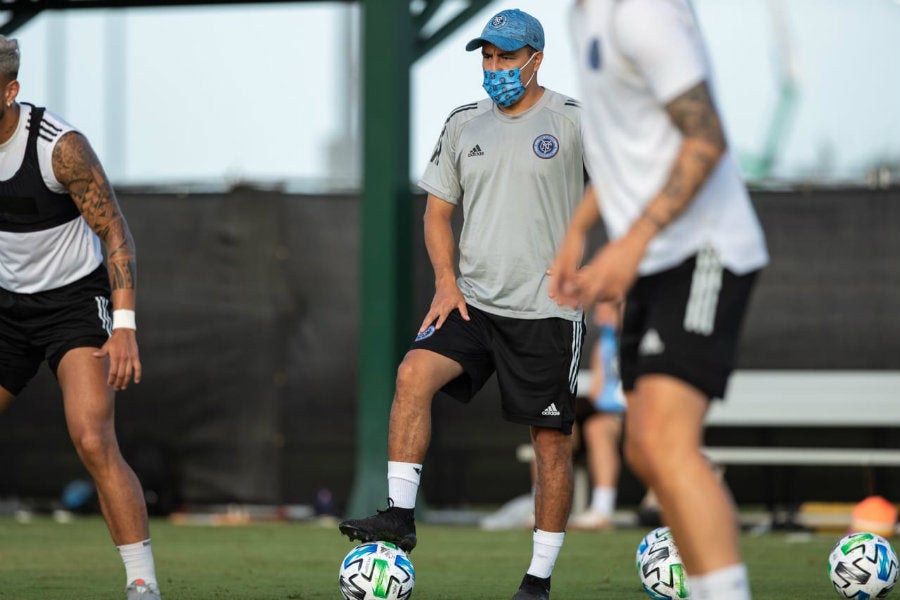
{"points": [[546, 146], [498, 21], [425, 334]]}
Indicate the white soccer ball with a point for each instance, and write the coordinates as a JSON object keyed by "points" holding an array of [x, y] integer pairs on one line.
{"points": [[862, 566], [376, 571], [662, 572], [658, 534]]}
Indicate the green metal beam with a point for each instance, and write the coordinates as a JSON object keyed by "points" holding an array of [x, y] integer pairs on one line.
{"points": [[420, 21], [22, 11], [15, 5], [425, 44], [18, 19], [386, 244]]}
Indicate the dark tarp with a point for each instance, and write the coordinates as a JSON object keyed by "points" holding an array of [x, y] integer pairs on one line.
{"points": [[248, 321]]}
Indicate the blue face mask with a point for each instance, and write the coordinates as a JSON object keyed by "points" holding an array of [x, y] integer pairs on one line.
{"points": [[506, 87]]}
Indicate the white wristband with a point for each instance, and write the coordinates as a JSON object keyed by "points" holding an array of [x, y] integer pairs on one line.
{"points": [[123, 319]]}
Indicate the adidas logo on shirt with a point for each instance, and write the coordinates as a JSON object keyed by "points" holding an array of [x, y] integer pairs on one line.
{"points": [[551, 411], [476, 151]]}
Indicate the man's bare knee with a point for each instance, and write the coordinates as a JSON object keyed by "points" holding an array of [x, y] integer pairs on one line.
{"points": [[94, 449], [422, 373], [408, 375]]}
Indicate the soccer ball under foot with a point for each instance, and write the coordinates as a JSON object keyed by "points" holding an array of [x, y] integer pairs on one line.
{"points": [[376, 571]]}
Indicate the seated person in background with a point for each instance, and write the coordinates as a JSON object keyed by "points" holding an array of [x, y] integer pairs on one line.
{"points": [[599, 416]]}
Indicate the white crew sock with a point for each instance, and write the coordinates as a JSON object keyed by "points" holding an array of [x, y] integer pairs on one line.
{"points": [[729, 583], [546, 549], [403, 483], [603, 501], [138, 559]]}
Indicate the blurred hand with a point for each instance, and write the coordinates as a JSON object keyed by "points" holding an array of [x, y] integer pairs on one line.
{"points": [[560, 286], [608, 276]]}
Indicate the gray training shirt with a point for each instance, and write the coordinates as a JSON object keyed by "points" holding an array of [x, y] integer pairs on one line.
{"points": [[518, 179]]}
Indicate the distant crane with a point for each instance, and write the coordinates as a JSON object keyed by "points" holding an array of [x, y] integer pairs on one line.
{"points": [[759, 166]]}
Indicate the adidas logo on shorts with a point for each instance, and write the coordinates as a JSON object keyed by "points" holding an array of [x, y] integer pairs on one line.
{"points": [[651, 344], [551, 411], [476, 151]]}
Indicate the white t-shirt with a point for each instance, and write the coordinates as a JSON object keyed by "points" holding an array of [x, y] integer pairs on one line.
{"points": [[633, 57]]}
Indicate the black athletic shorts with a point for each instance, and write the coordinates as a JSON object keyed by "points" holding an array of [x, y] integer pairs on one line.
{"points": [[536, 361], [685, 322], [46, 325]]}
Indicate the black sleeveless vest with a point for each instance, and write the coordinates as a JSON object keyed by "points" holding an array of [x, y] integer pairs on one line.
{"points": [[26, 204]]}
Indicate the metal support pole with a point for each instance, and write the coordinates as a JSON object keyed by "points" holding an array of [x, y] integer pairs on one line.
{"points": [[386, 243]]}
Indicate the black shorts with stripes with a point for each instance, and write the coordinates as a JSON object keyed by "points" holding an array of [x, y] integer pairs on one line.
{"points": [[46, 325], [536, 361], [685, 322]]}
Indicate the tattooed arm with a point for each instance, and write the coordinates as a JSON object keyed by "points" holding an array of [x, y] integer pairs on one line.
{"points": [[703, 144], [614, 268], [77, 167]]}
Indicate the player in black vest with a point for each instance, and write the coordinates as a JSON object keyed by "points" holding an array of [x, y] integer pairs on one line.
{"points": [[59, 221]]}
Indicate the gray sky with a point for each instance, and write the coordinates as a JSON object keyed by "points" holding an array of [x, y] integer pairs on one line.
{"points": [[260, 92]]}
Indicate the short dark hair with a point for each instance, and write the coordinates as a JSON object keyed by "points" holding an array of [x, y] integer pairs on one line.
{"points": [[9, 58]]}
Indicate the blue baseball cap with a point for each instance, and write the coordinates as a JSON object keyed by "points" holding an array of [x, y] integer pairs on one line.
{"points": [[510, 30]]}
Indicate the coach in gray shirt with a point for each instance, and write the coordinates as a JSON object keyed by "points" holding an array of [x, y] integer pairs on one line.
{"points": [[513, 163]]}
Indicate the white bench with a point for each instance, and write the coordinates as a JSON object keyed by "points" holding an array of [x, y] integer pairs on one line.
{"points": [[802, 399], [812, 399], [808, 399]]}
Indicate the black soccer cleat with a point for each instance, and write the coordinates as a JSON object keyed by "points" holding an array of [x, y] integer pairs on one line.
{"points": [[395, 525], [533, 588]]}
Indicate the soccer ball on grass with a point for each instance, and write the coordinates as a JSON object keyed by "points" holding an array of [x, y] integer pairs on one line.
{"points": [[662, 572], [658, 534], [862, 566], [376, 571]]}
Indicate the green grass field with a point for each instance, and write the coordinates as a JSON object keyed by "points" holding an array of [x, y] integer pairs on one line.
{"points": [[44, 560]]}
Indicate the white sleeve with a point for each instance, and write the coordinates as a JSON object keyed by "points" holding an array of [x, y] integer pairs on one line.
{"points": [[441, 177], [52, 129], [662, 39]]}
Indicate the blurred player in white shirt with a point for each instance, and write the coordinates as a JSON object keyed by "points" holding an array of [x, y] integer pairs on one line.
{"points": [[685, 248]]}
